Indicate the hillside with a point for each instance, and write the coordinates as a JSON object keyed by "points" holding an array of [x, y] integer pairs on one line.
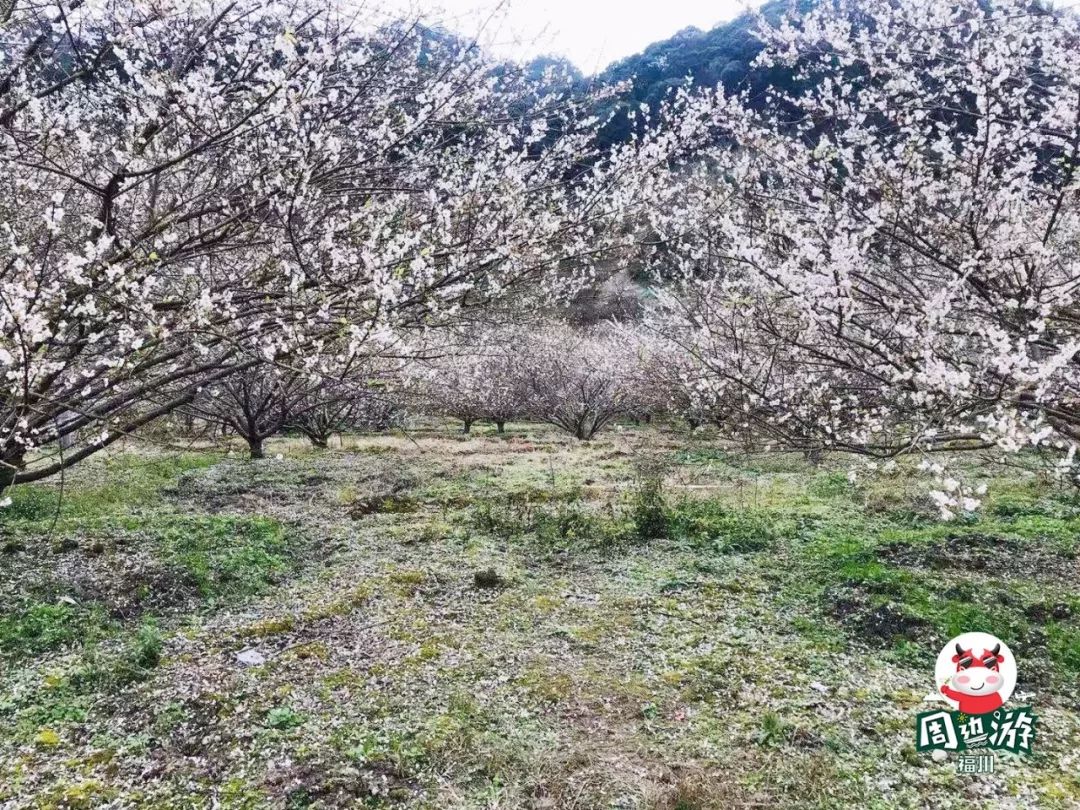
{"points": [[722, 55]]}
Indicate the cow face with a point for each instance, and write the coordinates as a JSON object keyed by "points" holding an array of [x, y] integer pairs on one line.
{"points": [[977, 675]]}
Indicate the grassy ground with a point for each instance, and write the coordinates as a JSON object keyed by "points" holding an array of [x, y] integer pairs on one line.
{"points": [[516, 621]]}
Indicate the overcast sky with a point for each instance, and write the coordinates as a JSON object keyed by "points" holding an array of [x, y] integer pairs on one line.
{"points": [[591, 33]]}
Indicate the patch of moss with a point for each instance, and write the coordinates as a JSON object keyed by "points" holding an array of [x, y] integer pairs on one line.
{"points": [[79, 796], [342, 606], [313, 650], [273, 626], [547, 686]]}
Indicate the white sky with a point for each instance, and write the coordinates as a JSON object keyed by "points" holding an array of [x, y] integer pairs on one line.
{"points": [[591, 33]]}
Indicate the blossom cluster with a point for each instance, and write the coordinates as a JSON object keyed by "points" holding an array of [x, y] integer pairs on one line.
{"points": [[886, 260]]}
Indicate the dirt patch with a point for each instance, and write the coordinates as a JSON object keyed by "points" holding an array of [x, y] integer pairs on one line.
{"points": [[1043, 612], [129, 586], [125, 583], [235, 485], [986, 555], [874, 621], [324, 782], [389, 503]]}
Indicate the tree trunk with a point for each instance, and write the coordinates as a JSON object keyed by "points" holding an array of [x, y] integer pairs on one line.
{"points": [[7, 478], [256, 448], [500, 427], [468, 426], [319, 442], [9, 468]]}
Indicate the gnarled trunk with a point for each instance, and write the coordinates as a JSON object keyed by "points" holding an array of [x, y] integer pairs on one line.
{"points": [[10, 464]]}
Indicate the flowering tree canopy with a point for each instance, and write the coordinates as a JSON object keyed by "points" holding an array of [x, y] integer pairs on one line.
{"points": [[475, 374], [890, 261], [256, 403], [581, 380], [193, 186]]}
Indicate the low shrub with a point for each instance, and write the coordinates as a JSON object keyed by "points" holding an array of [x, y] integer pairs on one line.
{"points": [[649, 513], [573, 523], [554, 525], [283, 718], [708, 522], [831, 485]]}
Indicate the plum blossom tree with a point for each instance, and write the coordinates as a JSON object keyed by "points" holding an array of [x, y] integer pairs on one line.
{"points": [[369, 403], [670, 379], [476, 374], [581, 380], [269, 398], [890, 262], [256, 403], [191, 187]]}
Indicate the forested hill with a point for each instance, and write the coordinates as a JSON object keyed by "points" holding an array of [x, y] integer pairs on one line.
{"points": [[722, 55]]}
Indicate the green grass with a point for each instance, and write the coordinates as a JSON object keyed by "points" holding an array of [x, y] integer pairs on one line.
{"points": [[39, 627], [1064, 644], [213, 559], [65, 697], [548, 526], [130, 480], [196, 563], [645, 514], [752, 611], [724, 529], [850, 558], [226, 557]]}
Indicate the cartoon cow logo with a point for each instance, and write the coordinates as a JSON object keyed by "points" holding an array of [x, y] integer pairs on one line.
{"points": [[976, 672]]}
